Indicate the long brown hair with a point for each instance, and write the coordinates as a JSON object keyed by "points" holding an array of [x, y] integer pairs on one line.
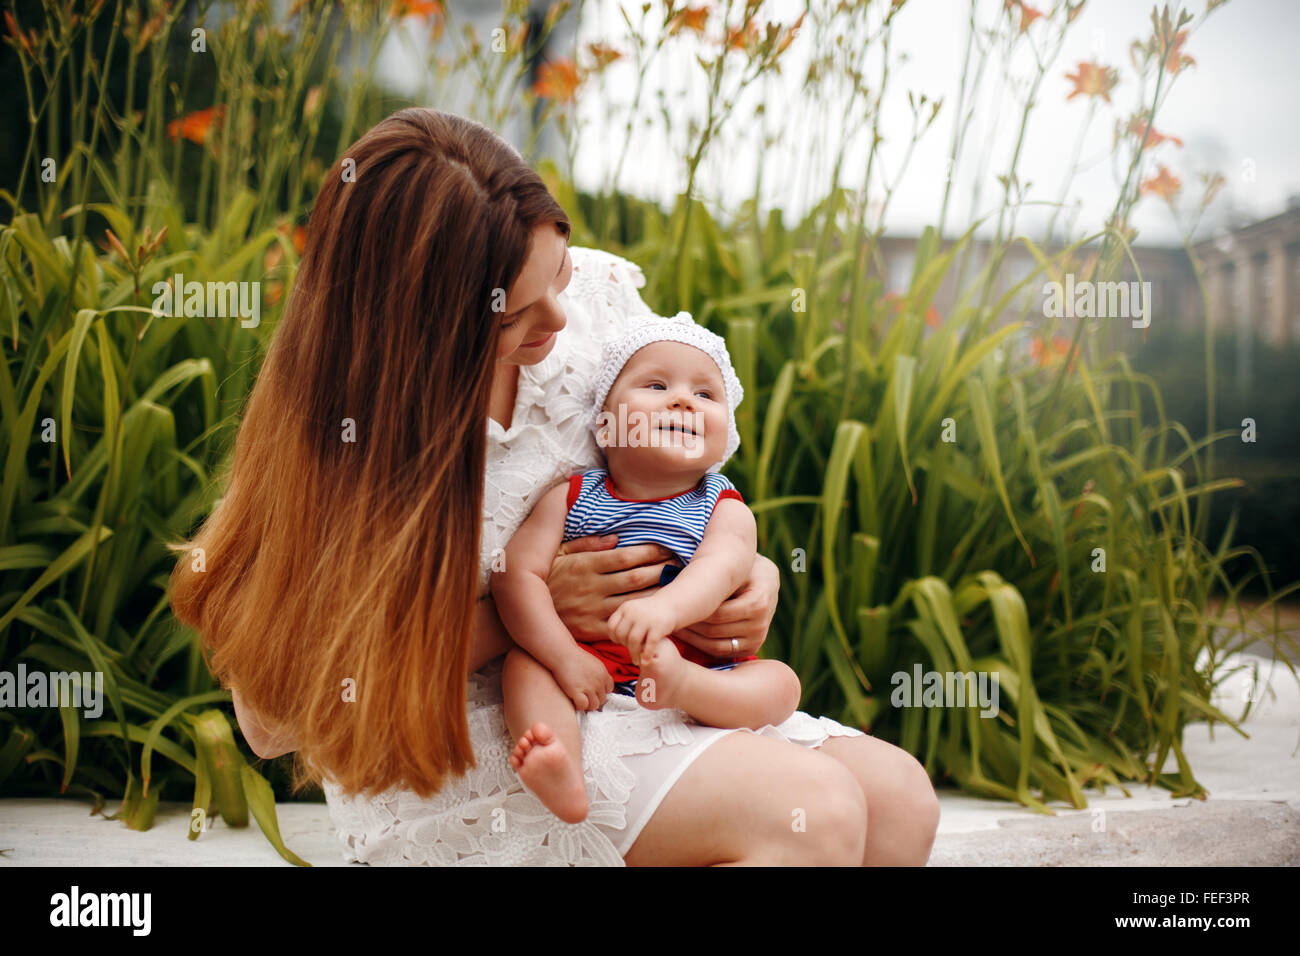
{"points": [[342, 560]]}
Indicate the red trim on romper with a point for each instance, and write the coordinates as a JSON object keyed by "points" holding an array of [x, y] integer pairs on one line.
{"points": [[609, 486], [727, 493], [618, 663], [575, 489]]}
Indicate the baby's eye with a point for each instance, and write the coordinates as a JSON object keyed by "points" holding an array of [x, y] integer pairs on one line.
{"points": [[705, 393], [659, 385]]}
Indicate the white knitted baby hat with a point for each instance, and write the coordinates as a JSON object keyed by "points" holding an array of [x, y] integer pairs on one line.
{"points": [[680, 328]]}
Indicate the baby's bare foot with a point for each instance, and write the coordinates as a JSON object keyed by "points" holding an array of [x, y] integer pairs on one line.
{"points": [[663, 674], [545, 767]]}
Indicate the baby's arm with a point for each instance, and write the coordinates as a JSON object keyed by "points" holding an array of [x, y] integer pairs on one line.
{"points": [[524, 603], [722, 563]]}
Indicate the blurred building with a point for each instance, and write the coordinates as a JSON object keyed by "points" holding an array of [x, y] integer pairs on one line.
{"points": [[1252, 278], [1253, 275]]}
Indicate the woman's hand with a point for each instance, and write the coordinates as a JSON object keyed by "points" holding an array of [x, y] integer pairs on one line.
{"points": [[744, 616], [590, 578]]}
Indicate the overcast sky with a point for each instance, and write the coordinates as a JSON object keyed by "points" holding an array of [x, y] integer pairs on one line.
{"points": [[1236, 110]]}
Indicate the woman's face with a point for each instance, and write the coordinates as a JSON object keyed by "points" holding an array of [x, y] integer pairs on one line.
{"points": [[532, 314]]}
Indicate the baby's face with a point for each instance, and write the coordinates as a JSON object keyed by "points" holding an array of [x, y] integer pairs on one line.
{"points": [[667, 411]]}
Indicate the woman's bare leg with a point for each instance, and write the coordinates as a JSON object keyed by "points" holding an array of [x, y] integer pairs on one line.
{"points": [[753, 800], [903, 807]]}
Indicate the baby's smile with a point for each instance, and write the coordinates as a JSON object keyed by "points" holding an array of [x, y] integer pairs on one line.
{"points": [[675, 427]]}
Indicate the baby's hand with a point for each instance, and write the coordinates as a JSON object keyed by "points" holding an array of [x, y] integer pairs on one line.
{"points": [[584, 679], [640, 624]]}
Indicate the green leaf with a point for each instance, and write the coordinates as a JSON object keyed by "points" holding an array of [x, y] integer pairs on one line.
{"points": [[262, 802]]}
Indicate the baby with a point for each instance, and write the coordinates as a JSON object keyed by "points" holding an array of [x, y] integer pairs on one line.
{"points": [[664, 401]]}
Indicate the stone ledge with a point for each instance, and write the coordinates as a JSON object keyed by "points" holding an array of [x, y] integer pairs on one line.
{"points": [[1251, 818]]}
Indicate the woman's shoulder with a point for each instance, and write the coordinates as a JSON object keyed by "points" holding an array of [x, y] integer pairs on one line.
{"points": [[603, 266], [607, 280]]}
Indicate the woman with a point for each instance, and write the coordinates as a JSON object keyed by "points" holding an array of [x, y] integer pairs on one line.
{"points": [[425, 387]]}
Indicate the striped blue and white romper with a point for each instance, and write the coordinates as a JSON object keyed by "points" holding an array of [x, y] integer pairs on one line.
{"points": [[676, 522]]}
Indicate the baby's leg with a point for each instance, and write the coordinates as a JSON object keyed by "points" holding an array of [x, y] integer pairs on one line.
{"points": [[548, 754], [751, 694]]}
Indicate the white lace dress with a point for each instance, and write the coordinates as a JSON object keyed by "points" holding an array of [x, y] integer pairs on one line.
{"points": [[632, 756]]}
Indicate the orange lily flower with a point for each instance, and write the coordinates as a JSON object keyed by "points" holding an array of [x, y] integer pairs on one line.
{"points": [[1092, 79], [1045, 353], [274, 253], [197, 125], [417, 8], [739, 38], [1164, 185], [1175, 58], [557, 80], [1139, 127], [432, 11], [1028, 14], [603, 55], [690, 18]]}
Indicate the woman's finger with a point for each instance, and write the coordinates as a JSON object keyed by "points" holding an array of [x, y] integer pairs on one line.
{"points": [[620, 559], [720, 645], [592, 542], [633, 579], [711, 631], [740, 629], [743, 607]]}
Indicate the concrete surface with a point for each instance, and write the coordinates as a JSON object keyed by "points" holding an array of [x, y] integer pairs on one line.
{"points": [[1251, 818]]}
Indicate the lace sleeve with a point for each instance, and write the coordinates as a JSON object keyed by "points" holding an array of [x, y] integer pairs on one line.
{"points": [[612, 278]]}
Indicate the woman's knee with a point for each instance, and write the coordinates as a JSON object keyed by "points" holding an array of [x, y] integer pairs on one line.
{"points": [[903, 806], [837, 816], [817, 815], [916, 792], [927, 800], [753, 800], [910, 807]]}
